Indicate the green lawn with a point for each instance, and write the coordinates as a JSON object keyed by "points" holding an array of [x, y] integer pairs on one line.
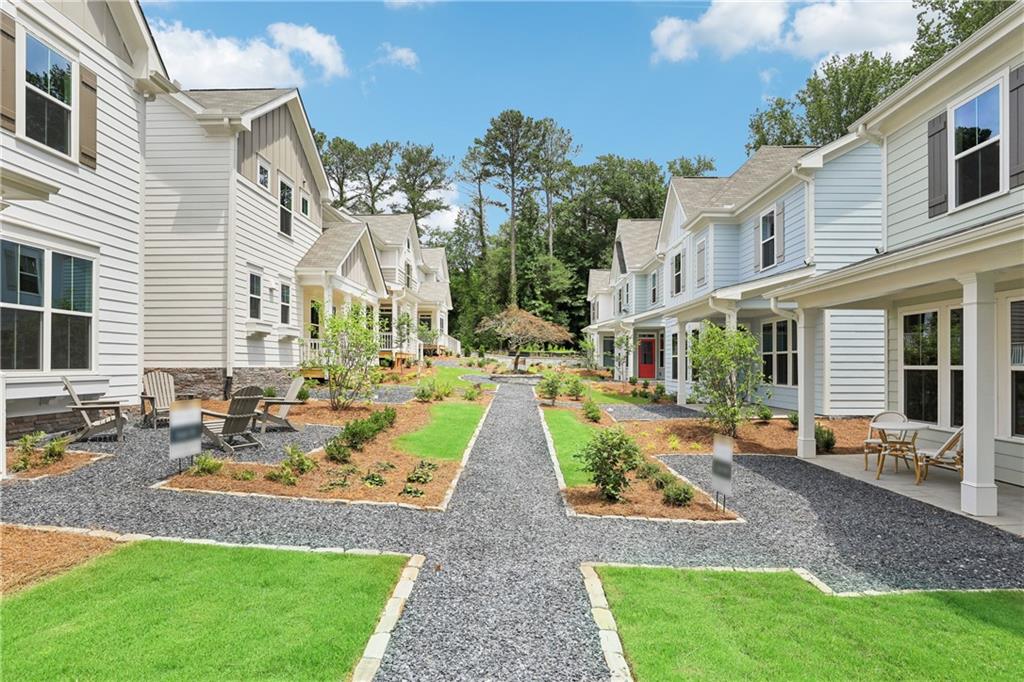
{"points": [[681, 625], [448, 433], [603, 398], [162, 610], [451, 375], [569, 434]]}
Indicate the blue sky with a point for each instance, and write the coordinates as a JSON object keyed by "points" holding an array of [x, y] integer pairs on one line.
{"points": [[647, 80]]}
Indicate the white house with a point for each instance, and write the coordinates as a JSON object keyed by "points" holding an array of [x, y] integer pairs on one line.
{"points": [[601, 330], [73, 80], [949, 274]]}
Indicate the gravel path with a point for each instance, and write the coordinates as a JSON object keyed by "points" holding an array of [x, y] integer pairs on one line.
{"points": [[627, 412], [501, 596]]}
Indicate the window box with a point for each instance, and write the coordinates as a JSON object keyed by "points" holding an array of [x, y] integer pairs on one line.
{"points": [[289, 331], [258, 328]]}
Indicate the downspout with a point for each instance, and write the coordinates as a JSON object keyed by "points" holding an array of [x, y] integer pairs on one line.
{"points": [[727, 311], [229, 293], [810, 230], [773, 304]]}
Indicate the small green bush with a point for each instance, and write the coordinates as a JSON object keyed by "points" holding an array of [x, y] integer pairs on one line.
{"points": [[270, 392], [645, 384], [22, 463], [297, 460], [662, 480], [608, 456], [373, 479], [283, 475], [27, 444], [674, 443], [244, 475], [358, 433], [420, 474], [794, 419], [428, 362], [472, 392], [550, 386], [591, 411], [659, 393], [764, 413], [206, 465], [824, 438], [647, 470], [411, 491], [55, 449], [303, 394], [383, 419], [383, 466], [677, 494], [424, 391], [632, 381], [336, 451], [574, 387], [442, 390]]}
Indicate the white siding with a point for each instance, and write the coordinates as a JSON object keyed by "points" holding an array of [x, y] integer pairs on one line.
{"points": [[848, 208], [188, 176], [794, 224], [856, 352]]}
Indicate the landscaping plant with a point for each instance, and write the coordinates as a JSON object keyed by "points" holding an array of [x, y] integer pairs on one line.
{"points": [[55, 449], [282, 474], [794, 420], [442, 390], [27, 444], [764, 413], [411, 491], [662, 480], [347, 356], [550, 386], [373, 479], [358, 433], [659, 393], [244, 475], [518, 328], [336, 451], [303, 393], [383, 466], [574, 387], [677, 494], [608, 456], [472, 392], [647, 470], [206, 465], [728, 365], [424, 391], [269, 392], [591, 411], [824, 438], [297, 460]]}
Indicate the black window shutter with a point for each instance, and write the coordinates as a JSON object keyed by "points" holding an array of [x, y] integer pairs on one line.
{"points": [[1016, 128], [938, 168]]}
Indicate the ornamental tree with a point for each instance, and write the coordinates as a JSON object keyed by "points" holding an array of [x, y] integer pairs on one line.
{"points": [[727, 364], [518, 328], [347, 355]]}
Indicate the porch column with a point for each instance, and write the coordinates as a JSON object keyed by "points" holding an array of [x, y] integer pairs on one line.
{"points": [[376, 317], [328, 296], [348, 302], [978, 488], [807, 323], [730, 320]]}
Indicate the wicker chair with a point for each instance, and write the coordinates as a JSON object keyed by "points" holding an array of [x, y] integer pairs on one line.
{"points": [[949, 456], [873, 443]]}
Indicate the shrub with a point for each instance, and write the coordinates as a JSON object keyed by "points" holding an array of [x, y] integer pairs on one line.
{"points": [[662, 480], [303, 393], [764, 413], [646, 384], [420, 474], [358, 433], [632, 381], [270, 392], [383, 419], [659, 393], [383, 466], [574, 387], [55, 449], [428, 362], [472, 392], [677, 494], [647, 470], [22, 463], [206, 465], [424, 391], [297, 460], [411, 491], [608, 456], [674, 443], [27, 444], [283, 475], [336, 451], [591, 411], [550, 386], [442, 390], [244, 475], [794, 419], [824, 438], [373, 479], [635, 392]]}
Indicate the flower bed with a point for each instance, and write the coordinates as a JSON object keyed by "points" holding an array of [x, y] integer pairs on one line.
{"points": [[38, 466]]}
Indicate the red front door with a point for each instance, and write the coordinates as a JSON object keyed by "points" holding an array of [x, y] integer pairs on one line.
{"points": [[645, 367]]}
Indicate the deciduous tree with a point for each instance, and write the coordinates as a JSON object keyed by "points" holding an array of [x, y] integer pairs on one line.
{"points": [[374, 176], [691, 167], [518, 328], [777, 124]]}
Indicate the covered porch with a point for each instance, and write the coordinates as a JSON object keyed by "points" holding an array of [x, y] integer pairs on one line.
{"points": [[954, 351]]}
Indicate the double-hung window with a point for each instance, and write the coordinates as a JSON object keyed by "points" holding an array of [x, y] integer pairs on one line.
{"points": [[626, 304], [618, 295], [286, 304], [677, 273], [675, 356], [976, 165], [1017, 367], [285, 199], [767, 245], [255, 295], [956, 367], [31, 319], [921, 366], [408, 275], [654, 287], [778, 352], [48, 80], [304, 204]]}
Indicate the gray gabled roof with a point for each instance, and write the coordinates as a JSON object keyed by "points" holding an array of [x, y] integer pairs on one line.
{"points": [[599, 280], [436, 292], [639, 239], [388, 229], [435, 257], [235, 102], [332, 247]]}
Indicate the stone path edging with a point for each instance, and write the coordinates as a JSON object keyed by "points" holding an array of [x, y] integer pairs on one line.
{"points": [[608, 631], [162, 485], [373, 654]]}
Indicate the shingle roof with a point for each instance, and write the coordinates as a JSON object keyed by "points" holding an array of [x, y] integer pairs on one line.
{"points": [[598, 281], [768, 164], [435, 257], [438, 292], [389, 229], [237, 102], [331, 247], [639, 240]]}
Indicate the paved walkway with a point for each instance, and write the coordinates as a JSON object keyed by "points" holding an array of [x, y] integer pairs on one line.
{"points": [[501, 596]]}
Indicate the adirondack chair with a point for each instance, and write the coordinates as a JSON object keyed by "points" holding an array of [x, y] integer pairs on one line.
{"points": [[93, 423], [237, 423], [158, 392], [284, 404]]}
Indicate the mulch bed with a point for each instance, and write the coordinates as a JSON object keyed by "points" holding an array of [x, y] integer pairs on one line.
{"points": [[32, 555], [318, 482], [641, 499], [72, 460]]}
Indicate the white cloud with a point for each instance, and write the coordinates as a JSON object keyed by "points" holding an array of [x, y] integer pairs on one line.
{"points": [[445, 220], [402, 4], [399, 56], [201, 59], [767, 75], [813, 31]]}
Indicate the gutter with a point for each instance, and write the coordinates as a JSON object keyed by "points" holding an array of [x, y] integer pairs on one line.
{"points": [[773, 304]]}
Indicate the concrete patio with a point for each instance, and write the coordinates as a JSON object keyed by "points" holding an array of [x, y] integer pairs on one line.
{"points": [[942, 489]]}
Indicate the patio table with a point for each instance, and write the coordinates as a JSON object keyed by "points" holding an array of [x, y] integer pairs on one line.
{"points": [[890, 425]]}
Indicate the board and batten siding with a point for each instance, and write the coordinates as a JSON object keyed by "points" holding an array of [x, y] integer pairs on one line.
{"points": [[98, 213], [261, 248], [907, 184], [848, 208], [188, 178], [275, 138]]}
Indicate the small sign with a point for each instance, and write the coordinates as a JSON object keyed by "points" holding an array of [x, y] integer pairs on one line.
{"points": [[186, 428], [721, 466]]}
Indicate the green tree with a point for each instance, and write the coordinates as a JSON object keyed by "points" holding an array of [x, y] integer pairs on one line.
{"points": [[842, 90], [691, 167], [727, 364], [421, 175], [942, 25], [347, 355], [339, 157], [554, 159], [777, 124], [374, 176], [510, 148], [518, 328], [474, 171]]}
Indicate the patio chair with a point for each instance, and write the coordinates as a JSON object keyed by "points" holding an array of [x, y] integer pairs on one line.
{"points": [[284, 404], [158, 392], [873, 443], [899, 448], [949, 456], [93, 422], [237, 424]]}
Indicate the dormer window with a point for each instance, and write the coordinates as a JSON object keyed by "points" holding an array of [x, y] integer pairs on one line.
{"points": [[47, 95], [976, 147]]}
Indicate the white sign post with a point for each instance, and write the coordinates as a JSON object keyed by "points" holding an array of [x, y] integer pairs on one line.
{"points": [[186, 428], [721, 467]]}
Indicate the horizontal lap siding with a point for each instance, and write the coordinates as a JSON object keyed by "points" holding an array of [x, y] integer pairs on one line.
{"points": [[726, 255], [785, 397], [100, 207], [848, 208], [856, 362], [187, 180], [259, 243], [795, 237]]}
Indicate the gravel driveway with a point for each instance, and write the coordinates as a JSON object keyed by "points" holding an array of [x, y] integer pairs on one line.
{"points": [[501, 596]]}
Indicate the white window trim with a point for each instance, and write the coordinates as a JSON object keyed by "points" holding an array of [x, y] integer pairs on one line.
{"points": [[761, 241], [304, 197], [263, 163], [48, 247], [290, 304], [283, 179], [945, 392], [249, 295], [775, 352], [674, 350], [1002, 81], [72, 54], [677, 273], [654, 287], [1004, 403]]}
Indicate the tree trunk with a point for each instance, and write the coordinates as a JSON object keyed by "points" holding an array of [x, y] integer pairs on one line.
{"points": [[481, 220], [513, 295], [515, 362], [551, 225]]}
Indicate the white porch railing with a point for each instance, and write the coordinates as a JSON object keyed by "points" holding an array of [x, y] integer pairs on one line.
{"points": [[310, 349]]}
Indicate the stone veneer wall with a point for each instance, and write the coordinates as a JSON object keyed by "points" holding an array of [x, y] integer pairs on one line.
{"points": [[55, 422], [203, 382], [278, 377]]}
